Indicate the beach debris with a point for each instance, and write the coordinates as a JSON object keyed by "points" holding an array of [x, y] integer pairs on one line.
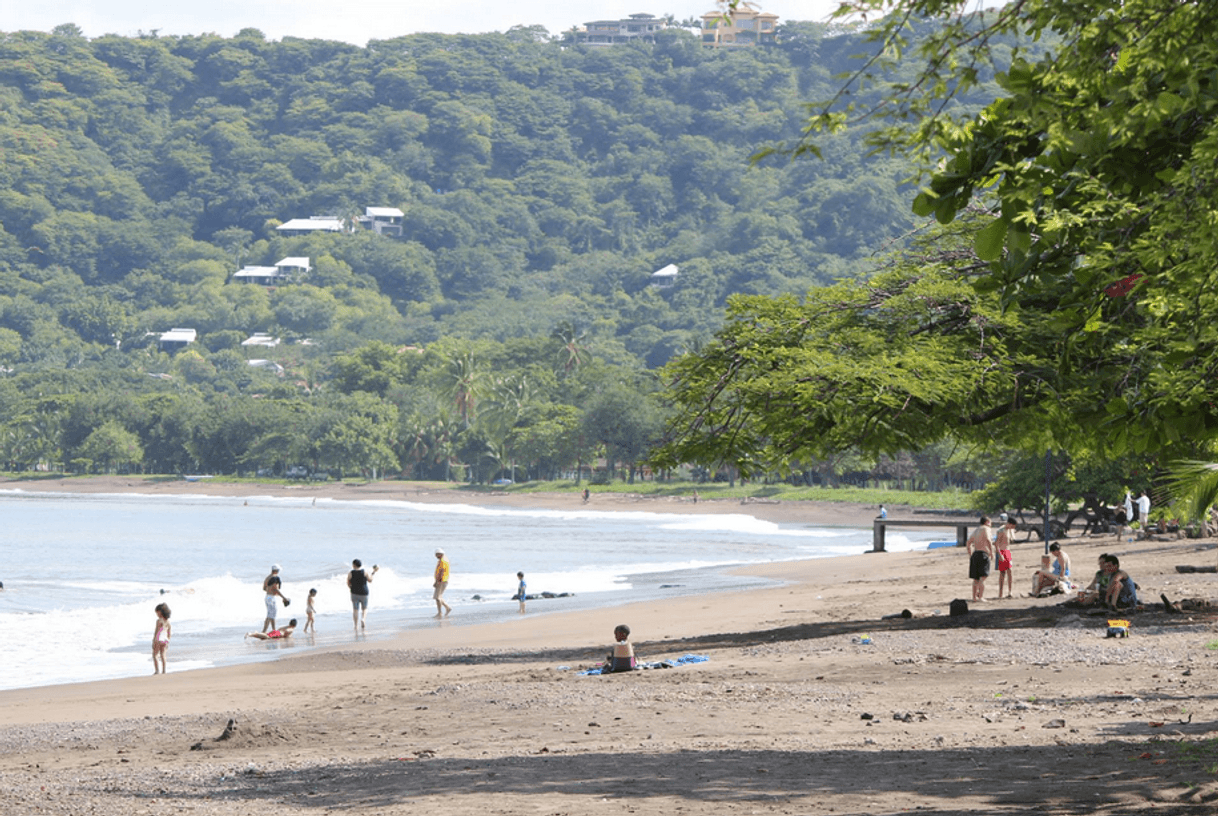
{"points": [[908, 716], [862, 640], [229, 731], [865, 716], [1058, 723], [1118, 628]]}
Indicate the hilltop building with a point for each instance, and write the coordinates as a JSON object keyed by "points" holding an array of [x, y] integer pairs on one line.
{"points": [[314, 223], [287, 270], [665, 278], [637, 27], [382, 220], [745, 26], [176, 339]]}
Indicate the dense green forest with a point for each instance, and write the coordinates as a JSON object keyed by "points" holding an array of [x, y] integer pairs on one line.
{"points": [[513, 327]]}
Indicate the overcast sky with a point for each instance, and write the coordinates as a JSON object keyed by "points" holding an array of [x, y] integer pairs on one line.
{"points": [[354, 22]]}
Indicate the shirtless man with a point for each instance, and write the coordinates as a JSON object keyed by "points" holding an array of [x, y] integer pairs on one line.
{"points": [[980, 547]]}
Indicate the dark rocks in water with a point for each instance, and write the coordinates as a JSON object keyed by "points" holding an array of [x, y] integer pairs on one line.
{"points": [[476, 598], [540, 595], [670, 586]]}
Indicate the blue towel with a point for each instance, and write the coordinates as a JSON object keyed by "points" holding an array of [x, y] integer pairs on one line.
{"points": [[671, 663]]}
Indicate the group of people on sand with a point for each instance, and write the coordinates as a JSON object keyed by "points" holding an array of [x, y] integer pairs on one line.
{"points": [[1111, 588]]}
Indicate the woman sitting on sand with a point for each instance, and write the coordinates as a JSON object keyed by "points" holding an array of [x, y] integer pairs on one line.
{"points": [[275, 634], [621, 659], [1054, 570]]}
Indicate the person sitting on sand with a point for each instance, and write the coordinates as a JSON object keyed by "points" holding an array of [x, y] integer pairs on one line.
{"points": [[621, 659], [1095, 591], [1054, 570], [275, 634], [1122, 594]]}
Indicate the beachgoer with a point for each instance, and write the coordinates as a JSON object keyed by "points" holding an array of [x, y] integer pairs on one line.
{"points": [[1061, 563], [271, 585], [357, 581], [275, 634], [586, 494], [521, 591], [1044, 578], [1122, 591], [980, 548], [160, 637], [1095, 591], [1143, 509], [310, 625], [1130, 515], [883, 512], [695, 497], [441, 584], [1003, 560], [621, 659]]}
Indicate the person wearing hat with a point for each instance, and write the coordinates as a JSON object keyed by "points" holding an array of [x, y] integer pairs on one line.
{"points": [[270, 586], [441, 584]]}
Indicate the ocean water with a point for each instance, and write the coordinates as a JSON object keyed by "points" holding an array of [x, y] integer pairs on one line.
{"points": [[82, 573]]}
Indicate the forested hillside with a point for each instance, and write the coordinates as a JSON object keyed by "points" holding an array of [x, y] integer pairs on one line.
{"points": [[541, 185]]}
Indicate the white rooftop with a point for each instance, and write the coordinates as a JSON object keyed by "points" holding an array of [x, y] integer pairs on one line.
{"points": [[669, 271], [383, 212], [294, 263], [179, 336], [260, 339], [326, 224]]}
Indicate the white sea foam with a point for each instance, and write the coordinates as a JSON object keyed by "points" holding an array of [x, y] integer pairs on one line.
{"points": [[97, 564]]}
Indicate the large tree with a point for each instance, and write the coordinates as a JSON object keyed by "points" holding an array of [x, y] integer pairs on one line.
{"points": [[1094, 266]]}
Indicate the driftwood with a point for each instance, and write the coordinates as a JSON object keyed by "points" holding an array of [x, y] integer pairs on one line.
{"points": [[1180, 568]]}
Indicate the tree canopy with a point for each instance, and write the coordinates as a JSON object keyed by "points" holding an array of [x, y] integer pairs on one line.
{"points": [[1082, 315]]}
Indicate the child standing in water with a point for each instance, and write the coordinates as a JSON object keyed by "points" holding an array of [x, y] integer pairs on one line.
{"points": [[160, 637], [521, 591], [309, 627], [621, 659]]}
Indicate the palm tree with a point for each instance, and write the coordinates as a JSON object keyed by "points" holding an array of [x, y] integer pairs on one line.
{"points": [[571, 353], [463, 382]]}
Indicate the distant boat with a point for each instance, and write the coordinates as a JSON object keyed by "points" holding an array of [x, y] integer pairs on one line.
{"points": [[195, 478]]}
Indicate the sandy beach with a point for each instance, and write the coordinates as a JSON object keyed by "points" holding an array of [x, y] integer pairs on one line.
{"points": [[1020, 705]]}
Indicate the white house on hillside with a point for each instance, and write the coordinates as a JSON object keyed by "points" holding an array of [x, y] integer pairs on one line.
{"points": [[383, 220], [176, 339], [316, 223], [666, 277]]}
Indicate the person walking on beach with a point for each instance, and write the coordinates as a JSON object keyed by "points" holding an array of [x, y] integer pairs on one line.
{"points": [[357, 582], [521, 591], [310, 611], [160, 637], [980, 547], [271, 585], [441, 584]]}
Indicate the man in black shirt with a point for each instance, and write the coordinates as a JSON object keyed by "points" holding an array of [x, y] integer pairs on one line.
{"points": [[357, 582]]}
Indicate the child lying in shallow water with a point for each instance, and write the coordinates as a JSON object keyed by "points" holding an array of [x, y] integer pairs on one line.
{"points": [[275, 634]]}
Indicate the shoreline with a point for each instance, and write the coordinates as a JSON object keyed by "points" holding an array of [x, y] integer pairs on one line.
{"points": [[1020, 704], [821, 513]]}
